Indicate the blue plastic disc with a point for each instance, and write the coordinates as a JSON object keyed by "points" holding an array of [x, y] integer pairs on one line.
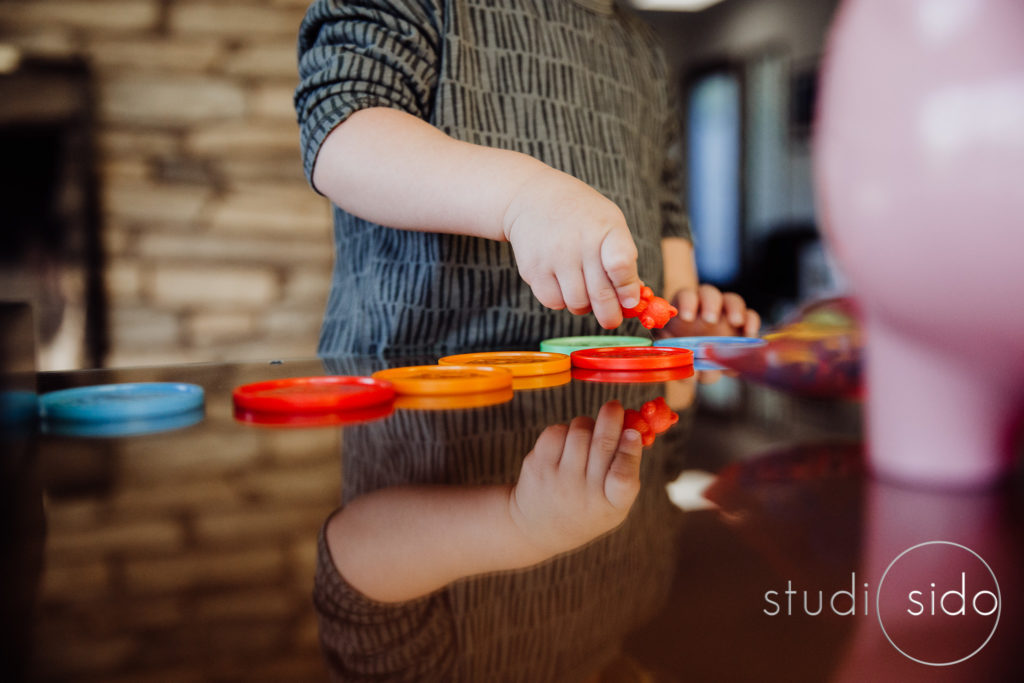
{"points": [[699, 345], [112, 402]]}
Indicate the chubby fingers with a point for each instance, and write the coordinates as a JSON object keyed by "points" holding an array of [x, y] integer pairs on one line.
{"points": [[709, 306], [547, 291], [707, 300], [618, 261], [711, 299], [751, 323], [547, 451], [614, 463], [577, 447]]}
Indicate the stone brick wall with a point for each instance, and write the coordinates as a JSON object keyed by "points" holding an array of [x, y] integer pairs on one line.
{"points": [[187, 555], [215, 246]]}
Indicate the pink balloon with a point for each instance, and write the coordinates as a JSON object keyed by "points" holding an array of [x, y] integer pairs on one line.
{"points": [[919, 164]]}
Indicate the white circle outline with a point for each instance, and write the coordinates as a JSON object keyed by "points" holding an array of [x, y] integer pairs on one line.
{"points": [[878, 598]]}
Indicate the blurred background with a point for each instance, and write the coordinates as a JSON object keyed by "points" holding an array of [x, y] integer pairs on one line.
{"points": [[154, 208]]}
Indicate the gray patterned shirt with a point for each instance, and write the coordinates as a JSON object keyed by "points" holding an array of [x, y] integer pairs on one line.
{"points": [[577, 84]]}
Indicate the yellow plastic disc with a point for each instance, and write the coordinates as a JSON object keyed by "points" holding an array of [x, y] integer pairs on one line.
{"points": [[519, 363]]}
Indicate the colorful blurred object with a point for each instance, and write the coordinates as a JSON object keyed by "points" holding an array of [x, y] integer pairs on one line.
{"points": [[816, 352]]}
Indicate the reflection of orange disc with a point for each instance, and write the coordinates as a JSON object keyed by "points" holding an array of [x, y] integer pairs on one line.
{"points": [[427, 380], [632, 376], [541, 381], [307, 420], [453, 401], [519, 363]]}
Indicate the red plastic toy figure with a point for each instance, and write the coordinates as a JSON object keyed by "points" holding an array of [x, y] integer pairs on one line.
{"points": [[653, 311]]}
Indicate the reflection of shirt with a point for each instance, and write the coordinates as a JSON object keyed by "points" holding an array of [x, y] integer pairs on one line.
{"points": [[578, 85], [558, 621]]}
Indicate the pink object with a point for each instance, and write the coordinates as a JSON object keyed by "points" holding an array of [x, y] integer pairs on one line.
{"points": [[919, 162]]}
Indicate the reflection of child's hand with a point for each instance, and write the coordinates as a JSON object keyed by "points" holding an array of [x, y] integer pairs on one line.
{"points": [[706, 311], [578, 482], [573, 247]]}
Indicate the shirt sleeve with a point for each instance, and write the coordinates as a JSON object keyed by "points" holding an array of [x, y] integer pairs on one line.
{"points": [[364, 53], [674, 221], [366, 640]]}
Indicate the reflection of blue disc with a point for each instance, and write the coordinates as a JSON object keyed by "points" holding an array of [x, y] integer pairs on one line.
{"points": [[129, 427], [18, 407], [700, 345], [129, 401], [704, 364]]}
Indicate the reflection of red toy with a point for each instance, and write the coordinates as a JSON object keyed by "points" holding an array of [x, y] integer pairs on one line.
{"points": [[634, 420], [653, 311], [653, 418], [658, 415]]}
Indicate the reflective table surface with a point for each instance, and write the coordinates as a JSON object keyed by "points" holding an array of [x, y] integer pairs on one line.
{"points": [[756, 549]]}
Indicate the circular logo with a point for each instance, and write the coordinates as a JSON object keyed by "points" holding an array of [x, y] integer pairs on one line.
{"points": [[938, 603]]}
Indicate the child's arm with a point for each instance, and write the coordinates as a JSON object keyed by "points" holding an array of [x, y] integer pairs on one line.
{"points": [[703, 309], [572, 244], [578, 483]]}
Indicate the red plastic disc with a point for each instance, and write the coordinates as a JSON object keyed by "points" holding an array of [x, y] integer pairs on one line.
{"points": [[313, 394], [632, 358]]}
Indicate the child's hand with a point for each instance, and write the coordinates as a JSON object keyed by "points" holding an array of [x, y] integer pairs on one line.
{"points": [[706, 311], [578, 482], [573, 247]]}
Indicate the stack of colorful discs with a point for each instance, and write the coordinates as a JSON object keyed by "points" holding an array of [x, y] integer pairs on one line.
{"points": [[121, 409], [701, 345], [567, 345], [632, 364], [448, 386], [313, 401], [530, 369]]}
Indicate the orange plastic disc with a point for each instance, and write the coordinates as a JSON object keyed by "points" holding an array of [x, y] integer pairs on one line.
{"points": [[428, 380], [453, 401], [519, 363]]}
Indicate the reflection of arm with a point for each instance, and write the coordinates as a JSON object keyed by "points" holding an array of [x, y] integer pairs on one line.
{"points": [[364, 640], [577, 483], [402, 543]]}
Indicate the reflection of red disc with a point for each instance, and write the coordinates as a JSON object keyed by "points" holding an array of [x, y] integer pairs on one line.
{"points": [[632, 376], [632, 358], [321, 419], [313, 394]]}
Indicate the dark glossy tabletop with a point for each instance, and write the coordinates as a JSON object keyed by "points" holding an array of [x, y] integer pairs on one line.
{"points": [[190, 554]]}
